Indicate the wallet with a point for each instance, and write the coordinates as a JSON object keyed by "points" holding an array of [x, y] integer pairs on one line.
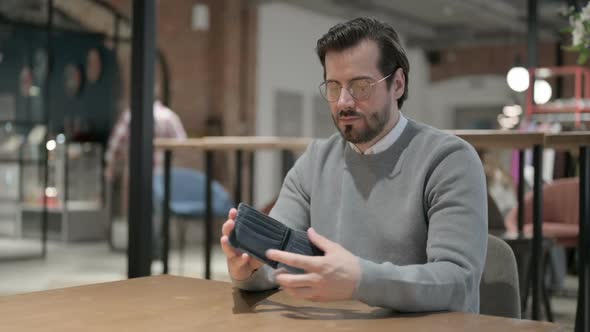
{"points": [[255, 233]]}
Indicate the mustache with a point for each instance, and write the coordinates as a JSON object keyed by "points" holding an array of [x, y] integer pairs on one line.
{"points": [[349, 112]]}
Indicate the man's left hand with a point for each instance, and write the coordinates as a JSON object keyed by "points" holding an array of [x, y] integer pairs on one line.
{"points": [[332, 277]]}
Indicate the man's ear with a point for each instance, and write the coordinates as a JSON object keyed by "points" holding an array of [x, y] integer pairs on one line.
{"points": [[398, 85]]}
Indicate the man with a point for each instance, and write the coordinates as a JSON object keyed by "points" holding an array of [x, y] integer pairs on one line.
{"points": [[166, 125], [400, 206]]}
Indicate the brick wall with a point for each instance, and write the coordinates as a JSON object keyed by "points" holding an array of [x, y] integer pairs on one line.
{"points": [[212, 72]]}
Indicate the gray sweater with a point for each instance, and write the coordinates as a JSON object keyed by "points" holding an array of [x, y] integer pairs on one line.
{"points": [[415, 215]]}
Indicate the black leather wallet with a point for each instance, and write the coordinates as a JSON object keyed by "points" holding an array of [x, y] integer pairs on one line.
{"points": [[255, 233]]}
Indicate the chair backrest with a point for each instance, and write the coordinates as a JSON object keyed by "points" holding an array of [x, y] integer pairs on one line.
{"points": [[499, 292], [187, 186], [560, 204]]}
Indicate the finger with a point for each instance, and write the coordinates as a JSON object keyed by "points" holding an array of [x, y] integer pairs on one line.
{"points": [[242, 260], [297, 280], [228, 227], [320, 241], [229, 251], [255, 263], [233, 213], [239, 261], [306, 263], [306, 293], [280, 270]]}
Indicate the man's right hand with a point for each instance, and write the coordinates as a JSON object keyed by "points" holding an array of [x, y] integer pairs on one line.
{"points": [[240, 265]]}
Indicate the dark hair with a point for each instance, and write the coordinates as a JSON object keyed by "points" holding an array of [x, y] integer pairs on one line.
{"points": [[349, 34]]}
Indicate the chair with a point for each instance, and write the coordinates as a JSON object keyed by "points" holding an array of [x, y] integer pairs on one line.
{"points": [[499, 292], [187, 199], [560, 225], [560, 212]]}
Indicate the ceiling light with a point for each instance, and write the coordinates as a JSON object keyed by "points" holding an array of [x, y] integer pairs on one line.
{"points": [[518, 79], [51, 145], [543, 92], [512, 110]]}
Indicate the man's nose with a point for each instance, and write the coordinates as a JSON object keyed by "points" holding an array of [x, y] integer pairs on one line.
{"points": [[345, 100]]}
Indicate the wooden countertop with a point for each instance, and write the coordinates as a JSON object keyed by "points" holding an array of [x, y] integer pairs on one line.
{"points": [[235, 142], [567, 140], [500, 139], [168, 303]]}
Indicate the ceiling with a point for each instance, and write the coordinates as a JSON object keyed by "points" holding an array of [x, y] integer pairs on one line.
{"points": [[427, 24], [67, 14], [437, 24], [35, 12]]}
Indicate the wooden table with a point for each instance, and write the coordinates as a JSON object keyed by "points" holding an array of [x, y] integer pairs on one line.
{"points": [[234, 143], [500, 139], [168, 303]]}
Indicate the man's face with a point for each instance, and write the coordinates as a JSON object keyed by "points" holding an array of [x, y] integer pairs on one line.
{"points": [[360, 121]]}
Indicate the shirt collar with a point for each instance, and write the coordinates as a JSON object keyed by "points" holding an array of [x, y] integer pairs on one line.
{"points": [[387, 140]]}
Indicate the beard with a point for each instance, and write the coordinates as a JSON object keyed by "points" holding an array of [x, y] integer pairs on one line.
{"points": [[373, 124]]}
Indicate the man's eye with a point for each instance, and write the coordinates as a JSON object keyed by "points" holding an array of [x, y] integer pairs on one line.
{"points": [[361, 87], [333, 88]]}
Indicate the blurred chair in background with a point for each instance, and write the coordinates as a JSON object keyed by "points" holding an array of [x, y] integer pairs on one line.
{"points": [[187, 201], [560, 212], [560, 227]]}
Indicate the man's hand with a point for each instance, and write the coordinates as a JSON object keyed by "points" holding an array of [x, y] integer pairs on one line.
{"points": [[240, 265], [331, 277]]}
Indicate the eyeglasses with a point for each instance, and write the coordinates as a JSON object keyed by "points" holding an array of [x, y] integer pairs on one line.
{"points": [[360, 89]]}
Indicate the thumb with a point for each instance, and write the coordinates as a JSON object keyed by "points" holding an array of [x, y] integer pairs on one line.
{"points": [[320, 241]]}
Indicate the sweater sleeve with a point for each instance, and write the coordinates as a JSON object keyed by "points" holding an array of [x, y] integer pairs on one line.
{"points": [[456, 210], [292, 209]]}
